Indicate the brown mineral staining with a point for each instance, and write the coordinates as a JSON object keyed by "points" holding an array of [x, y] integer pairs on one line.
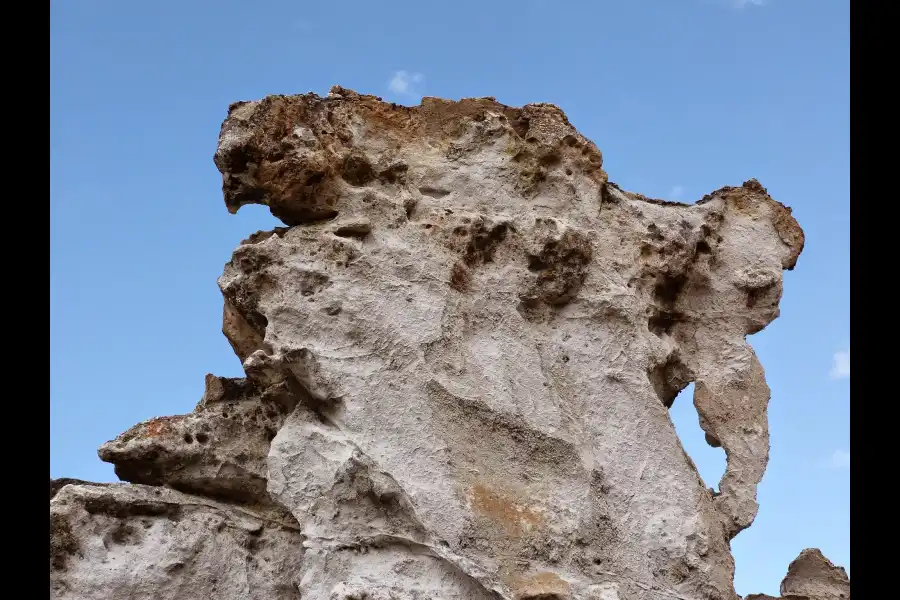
{"points": [[158, 427], [502, 508], [296, 153], [542, 586]]}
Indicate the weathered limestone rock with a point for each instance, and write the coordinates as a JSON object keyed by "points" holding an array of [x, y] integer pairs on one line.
{"points": [[812, 577], [138, 542], [459, 358], [219, 450]]}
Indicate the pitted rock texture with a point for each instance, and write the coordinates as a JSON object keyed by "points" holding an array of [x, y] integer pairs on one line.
{"points": [[811, 576], [460, 353], [139, 542], [219, 450]]}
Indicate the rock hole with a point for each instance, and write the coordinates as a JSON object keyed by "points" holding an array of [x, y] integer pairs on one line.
{"points": [[239, 158], [536, 264], [315, 178], [357, 170], [484, 242], [708, 457], [409, 206], [353, 230], [550, 159], [202, 438], [668, 288], [188, 438], [521, 125], [762, 295], [669, 378], [661, 322], [292, 215], [431, 192]]}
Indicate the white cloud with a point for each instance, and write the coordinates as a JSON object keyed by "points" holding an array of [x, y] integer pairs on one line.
{"points": [[676, 192], [840, 459], [840, 367], [744, 3], [403, 83]]}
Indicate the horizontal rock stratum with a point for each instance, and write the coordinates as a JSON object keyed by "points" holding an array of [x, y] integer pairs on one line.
{"points": [[459, 356]]}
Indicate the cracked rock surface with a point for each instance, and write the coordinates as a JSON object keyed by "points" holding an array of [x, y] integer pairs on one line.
{"points": [[459, 353]]}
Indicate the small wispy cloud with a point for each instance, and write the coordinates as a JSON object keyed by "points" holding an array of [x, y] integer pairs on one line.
{"points": [[840, 459], [404, 83], [840, 366], [676, 192], [740, 4]]}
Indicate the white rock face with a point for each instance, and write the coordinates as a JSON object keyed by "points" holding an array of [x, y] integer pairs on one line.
{"points": [[467, 341]]}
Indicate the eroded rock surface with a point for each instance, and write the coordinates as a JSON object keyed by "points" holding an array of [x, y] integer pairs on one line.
{"points": [[811, 576], [219, 450], [460, 354], [140, 542]]}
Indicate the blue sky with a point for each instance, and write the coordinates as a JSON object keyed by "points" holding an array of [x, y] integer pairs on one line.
{"points": [[682, 97]]}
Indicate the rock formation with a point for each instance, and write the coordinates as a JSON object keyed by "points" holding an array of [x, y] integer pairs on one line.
{"points": [[812, 577], [459, 356]]}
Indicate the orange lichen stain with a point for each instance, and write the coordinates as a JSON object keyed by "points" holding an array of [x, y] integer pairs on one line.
{"points": [[158, 427], [499, 507], [543, 586]]}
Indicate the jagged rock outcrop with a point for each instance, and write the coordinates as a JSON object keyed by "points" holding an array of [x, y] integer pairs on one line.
{"points": [[459, 357], [219, 450], [812, 577]]}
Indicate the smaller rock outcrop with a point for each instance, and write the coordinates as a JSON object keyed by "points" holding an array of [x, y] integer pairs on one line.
{"points": [[811, 576], [121, 541], [219, 450]]}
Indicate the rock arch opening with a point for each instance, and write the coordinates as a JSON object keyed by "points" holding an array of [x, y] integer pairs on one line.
{"points": [[709, 460]]}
